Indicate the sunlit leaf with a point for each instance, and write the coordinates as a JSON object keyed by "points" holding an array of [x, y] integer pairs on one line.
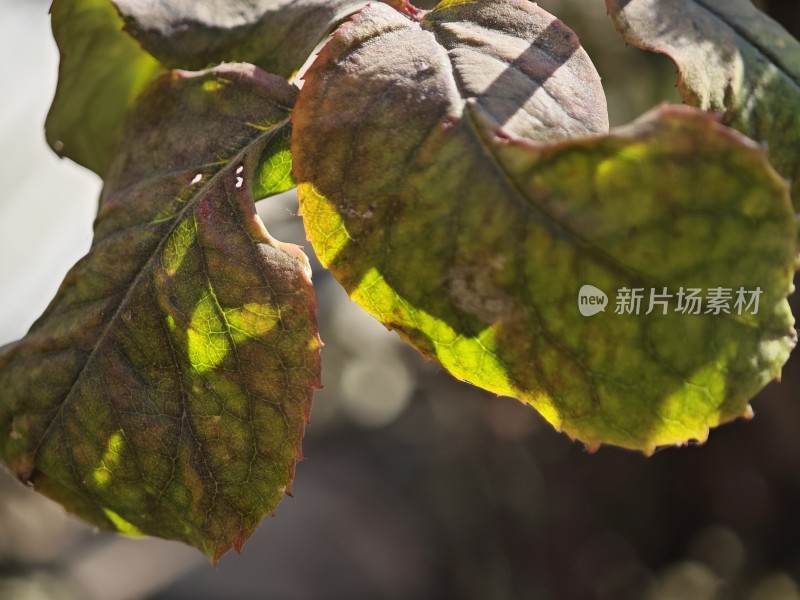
{"points": [[102, 72], [733, 59], [166, 388], [475, 247]]}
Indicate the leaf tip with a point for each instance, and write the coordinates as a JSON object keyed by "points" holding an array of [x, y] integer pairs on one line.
{"points": [[592, 447]]}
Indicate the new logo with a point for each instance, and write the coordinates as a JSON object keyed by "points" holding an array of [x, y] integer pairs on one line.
{"points": [[591, 300]]}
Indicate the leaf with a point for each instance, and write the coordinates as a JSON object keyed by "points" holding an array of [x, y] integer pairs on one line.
{"points": [[474, 247], [276, 35], [102, 71], [165, 389], [733, 59]]}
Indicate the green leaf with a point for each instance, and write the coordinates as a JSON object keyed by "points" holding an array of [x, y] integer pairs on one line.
{"points": [[474, 247], [732, 58], [102, 72], [276, 35], [165, 389]]}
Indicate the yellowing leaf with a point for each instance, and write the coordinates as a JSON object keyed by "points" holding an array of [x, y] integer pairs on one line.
{"points": [[475, 247], [166, 388], [102, 72]]}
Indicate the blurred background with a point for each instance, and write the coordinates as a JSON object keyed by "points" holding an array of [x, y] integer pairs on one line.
{"points": [[415, 485]]}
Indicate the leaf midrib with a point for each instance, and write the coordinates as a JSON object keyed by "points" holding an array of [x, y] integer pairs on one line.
{"points": [[577, 241], [142, 272]]}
